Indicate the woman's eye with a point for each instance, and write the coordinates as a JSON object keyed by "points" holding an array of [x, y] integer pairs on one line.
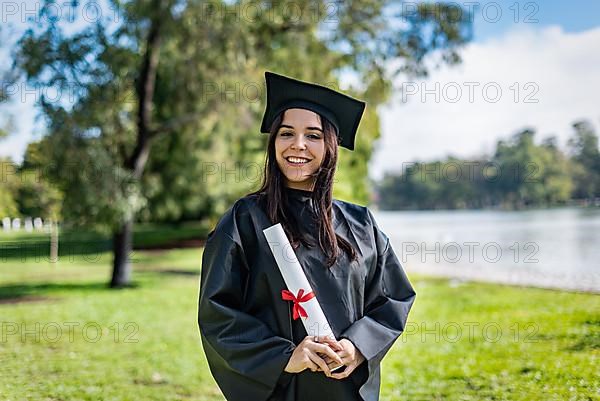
{"points": [[313, 136]]}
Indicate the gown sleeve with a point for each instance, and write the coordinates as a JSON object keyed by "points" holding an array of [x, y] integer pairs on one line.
{"points": [[389, 297], [245, 357]]}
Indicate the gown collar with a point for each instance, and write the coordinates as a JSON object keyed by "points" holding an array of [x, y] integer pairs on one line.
{"points": [[300, 194], [302, 198]]}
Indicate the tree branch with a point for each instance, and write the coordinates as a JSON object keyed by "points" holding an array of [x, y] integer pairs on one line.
{"points": [[145, 91]]}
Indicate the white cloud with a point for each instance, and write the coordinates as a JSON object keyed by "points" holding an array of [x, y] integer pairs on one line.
{"points": [[562, 67]]}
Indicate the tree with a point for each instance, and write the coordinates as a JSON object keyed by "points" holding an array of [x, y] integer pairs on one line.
{"points": [[142, 82], [8, 189], [586, 156], [532, 174], [557, 180], [521, 173]]}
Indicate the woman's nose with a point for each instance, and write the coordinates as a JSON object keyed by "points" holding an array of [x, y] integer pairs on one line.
{"points": [[299, 142]]}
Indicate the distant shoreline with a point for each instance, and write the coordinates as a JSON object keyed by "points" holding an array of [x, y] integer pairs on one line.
{"points": [[574, 204], [591, 284]]}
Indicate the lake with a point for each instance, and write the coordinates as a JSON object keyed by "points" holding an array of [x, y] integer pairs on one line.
{"points": [[551, 248]]}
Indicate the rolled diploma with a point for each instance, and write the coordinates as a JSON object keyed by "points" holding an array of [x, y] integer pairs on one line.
{"points": [[316, 323]]}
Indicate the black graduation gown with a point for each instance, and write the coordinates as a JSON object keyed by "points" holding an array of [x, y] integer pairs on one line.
{"points": [[247, 330]]}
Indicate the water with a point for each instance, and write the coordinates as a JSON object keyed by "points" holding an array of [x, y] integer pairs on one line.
{"points": [[552, 248]]}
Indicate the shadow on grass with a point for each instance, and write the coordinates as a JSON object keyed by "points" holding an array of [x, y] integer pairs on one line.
{"points": [[39, 249], [179, 272], [587, 342], [16, 293]]}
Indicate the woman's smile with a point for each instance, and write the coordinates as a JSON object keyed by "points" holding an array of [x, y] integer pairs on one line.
{"points": [[297, 161]]}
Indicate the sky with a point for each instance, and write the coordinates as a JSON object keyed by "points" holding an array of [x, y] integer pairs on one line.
{"points": [[531, 64], [539, 72]]}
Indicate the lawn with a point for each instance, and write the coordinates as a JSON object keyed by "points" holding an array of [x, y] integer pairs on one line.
{"points": [[65, 336]]}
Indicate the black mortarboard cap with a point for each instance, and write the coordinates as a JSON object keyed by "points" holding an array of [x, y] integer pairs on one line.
{"points": [[343, 111]]}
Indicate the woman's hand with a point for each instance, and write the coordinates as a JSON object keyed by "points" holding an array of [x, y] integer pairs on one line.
{"points": [[351, 357], [306, 355]]}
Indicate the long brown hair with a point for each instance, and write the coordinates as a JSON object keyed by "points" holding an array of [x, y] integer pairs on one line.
{"points": [[273, 197]]}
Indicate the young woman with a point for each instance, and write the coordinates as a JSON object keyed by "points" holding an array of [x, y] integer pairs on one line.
{"points": [[254, 348]]}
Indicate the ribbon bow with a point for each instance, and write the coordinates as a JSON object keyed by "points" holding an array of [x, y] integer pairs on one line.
{"points": [[298, 309]]}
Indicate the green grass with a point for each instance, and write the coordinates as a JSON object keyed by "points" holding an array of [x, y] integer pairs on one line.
{"points": [[156, 353]]}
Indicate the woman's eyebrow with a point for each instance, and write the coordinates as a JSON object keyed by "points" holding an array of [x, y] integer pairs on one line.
{"points": [[307, 128]]}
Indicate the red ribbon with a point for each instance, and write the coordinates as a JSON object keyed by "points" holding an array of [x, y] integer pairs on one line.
{"points": [[298, 309]]}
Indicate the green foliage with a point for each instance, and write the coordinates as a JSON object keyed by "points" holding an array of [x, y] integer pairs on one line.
{"points": [[8, 205], [351, 180], [37, 197], [531, 174], [99, 193], [520, 173], [8, 189], [586, 157], [27, 193], [448, 184], [204, 52]]}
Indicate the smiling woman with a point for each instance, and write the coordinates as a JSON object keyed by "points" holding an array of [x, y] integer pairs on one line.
{"points": [[254, 348], [300, 147]]}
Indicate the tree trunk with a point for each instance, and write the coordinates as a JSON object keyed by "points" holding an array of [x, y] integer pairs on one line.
{"points": [[54, 243], [121, 249], [135, 164]]}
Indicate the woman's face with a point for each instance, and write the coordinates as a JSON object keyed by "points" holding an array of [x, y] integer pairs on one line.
{"points": [[299, 136]]}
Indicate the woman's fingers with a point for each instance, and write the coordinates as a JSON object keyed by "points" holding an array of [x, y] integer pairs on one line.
{"points": [[323, 355], [310, 364], [346, 359], [326, 350], [342, 354], [345, 373], [331, 363], [332, 342], [316, 359]]}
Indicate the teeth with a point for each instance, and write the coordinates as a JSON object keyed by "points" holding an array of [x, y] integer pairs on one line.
{"points": [[297, 160]]}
